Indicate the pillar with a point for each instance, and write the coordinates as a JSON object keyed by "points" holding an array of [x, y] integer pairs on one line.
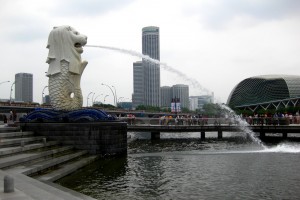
{"points": [[284, 135], [202, 135], [220, 134], [9, 185], [155, 135]]}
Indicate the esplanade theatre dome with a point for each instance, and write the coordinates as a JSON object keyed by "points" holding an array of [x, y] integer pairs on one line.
{"points": [[265, 88]]}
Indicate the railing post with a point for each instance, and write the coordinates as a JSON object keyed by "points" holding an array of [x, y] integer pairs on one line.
{"points": [[202, 135], [155, 135], [284, 135], [220, 134]]}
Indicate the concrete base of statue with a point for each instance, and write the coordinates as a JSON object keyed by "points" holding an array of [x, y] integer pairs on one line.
{"points": [[107, 138]]}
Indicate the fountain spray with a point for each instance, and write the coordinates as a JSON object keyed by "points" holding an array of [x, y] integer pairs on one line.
{"points": [[194, 83]]}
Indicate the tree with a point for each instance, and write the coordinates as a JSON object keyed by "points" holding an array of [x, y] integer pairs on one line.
{"points": [[211, 109]]}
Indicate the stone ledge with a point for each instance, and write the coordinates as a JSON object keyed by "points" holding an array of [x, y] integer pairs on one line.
{"points": [[102, 138]]}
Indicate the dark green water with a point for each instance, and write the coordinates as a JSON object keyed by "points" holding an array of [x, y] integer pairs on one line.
{"points": [[172, 168]]}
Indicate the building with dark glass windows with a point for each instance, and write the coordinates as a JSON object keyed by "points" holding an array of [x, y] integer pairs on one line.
{"points": [[24, 87]]}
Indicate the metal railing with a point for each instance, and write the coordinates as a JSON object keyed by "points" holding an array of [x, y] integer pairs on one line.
{"points": [[210, 121]]}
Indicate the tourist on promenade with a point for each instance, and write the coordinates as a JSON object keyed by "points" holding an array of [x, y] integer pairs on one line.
{"points": [[291, 118], [4, 119], [10, 116], [14, 116], [133, 119]]}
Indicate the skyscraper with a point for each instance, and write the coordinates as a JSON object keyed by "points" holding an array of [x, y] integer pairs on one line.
{"points": [[150, 47], [24, 87], [165, 96], [138, 84], [182, 92], [178, 93]]}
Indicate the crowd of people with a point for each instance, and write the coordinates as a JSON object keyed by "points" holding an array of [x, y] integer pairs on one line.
{"points": [[276, 119], [10, 118], [256, 119]]}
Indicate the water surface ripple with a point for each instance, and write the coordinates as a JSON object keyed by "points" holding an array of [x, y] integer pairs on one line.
{"points": [[192, 169]]}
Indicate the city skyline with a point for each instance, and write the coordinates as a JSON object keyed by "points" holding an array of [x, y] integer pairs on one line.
{"points": [[217, 43]]}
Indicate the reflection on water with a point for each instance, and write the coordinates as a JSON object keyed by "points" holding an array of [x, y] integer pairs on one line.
{"points": [[231, 168]]}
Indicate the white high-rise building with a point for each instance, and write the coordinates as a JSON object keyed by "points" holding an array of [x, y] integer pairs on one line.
{"points": [[24, 87], [151, 47]]}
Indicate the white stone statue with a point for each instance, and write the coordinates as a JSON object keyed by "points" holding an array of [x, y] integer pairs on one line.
{"points": [[65, 67]]}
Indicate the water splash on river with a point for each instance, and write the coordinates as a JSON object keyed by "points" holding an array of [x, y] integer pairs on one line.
{"points": [[194, 83]]}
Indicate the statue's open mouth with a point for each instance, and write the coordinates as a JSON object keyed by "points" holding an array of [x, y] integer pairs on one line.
{"points": [[77, 45]]}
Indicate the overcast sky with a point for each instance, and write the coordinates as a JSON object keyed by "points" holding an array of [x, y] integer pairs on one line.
{"points": [[219, 43]]}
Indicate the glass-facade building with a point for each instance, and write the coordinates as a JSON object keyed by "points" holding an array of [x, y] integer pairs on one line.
{"points": [[151, 47], [165, 96], [24, 87], [138, 84], [181, 91], [266, 88]]}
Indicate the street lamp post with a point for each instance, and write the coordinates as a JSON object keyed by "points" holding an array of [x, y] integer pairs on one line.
{"points": [[116, 102], [11, 92], [111, 92], [93, 99], [87, 99], [120, 98], [105, 98], [96, 98], [119, 101], [4, 82], [43, 94]]}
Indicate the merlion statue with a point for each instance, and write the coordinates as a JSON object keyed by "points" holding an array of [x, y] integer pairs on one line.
{"points": [[65, 67]]}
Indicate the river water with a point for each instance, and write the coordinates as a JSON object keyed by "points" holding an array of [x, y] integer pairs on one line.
{"points": [[180, 166]]}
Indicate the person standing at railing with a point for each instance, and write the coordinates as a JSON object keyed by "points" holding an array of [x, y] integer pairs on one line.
{"points": [[14, 116], [297, 120], [133, 119], [4, 119], [290, 118]]}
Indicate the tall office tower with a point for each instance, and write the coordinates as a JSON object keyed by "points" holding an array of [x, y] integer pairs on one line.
{"points": [[182, 92], [23, 87], [138, 84], [165, 96], [150, 47]]}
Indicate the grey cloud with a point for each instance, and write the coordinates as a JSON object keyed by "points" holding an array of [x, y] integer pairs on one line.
{"points": [[217, 13], [88, 7], [24, 29]]}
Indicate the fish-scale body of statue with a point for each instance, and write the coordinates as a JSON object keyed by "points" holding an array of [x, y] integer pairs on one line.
{"points": [[65, 67]]}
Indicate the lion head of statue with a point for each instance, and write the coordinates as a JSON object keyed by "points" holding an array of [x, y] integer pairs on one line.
{"points": [[65, 43]]}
